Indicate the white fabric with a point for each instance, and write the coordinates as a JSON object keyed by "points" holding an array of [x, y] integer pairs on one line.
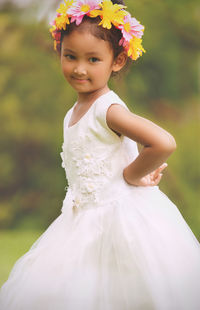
{"points": [[114, 246]]}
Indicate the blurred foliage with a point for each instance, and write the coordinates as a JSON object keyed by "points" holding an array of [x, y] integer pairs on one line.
{"points": [[13, 244], [34, 97]]}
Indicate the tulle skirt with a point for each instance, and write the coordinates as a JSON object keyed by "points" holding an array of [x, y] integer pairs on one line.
{"points": [[134, 254]]}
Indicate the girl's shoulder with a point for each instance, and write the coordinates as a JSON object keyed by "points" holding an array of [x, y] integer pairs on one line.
{"points": [[103, 103], [99, 108]]}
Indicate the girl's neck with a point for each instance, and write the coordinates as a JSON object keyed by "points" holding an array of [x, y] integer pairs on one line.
{"points": [[89, 98]]}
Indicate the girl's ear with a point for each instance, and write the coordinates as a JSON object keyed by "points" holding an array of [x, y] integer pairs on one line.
{"points": [[119, 61]]}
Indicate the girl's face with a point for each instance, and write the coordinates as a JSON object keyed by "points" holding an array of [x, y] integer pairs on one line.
{"points": [[87, 62]]}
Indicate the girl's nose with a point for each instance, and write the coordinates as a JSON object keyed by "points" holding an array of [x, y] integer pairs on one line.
{"points": [[80, 70]]}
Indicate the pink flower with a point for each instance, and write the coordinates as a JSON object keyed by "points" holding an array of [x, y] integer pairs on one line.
{"points": [[81, 8], [131, 28], [57, 35], [123, 42]]}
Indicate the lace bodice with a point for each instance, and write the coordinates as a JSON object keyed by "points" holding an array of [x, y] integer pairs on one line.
{"points": [[93, 156]]}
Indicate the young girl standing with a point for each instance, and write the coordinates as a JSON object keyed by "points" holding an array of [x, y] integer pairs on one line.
{"points": [[119, 242]]}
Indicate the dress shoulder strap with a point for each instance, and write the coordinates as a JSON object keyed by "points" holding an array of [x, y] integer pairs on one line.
{"points": [[104, 102]]}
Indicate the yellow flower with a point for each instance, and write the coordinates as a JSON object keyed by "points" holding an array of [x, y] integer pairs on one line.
{"points": [[110, 13], [62, 19], [52, 29], [61, 22], [85, 8], [127, 27], [135, 48], [64, 7], [55, 45]]}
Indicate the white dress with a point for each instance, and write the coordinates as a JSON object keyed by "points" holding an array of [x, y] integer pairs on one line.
{"points": [[114, 246]]}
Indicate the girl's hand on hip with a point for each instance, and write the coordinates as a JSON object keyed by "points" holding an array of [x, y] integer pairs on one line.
{"points": [[151, 179]]}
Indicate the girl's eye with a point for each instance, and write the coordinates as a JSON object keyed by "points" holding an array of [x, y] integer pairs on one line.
{"points": [[94, 59], [70, 57]]}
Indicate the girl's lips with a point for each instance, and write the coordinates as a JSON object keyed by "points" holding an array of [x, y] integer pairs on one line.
{"points": [[80, 80]]}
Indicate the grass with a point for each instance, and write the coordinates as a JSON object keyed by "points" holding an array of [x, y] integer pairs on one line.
{"points": [[13, 244]]}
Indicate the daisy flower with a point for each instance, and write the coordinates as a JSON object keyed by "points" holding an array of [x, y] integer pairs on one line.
{"points": [[61, 21], [81, 8], [62, 17], [110, 13], [63, 9], [135, 49], [53, 28], [131, 28]]}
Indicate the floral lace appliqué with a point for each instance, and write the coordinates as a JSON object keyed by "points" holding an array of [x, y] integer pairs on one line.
{"points": [[86, 171]]}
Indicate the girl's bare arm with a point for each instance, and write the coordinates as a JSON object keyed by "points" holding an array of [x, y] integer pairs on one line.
{"points": [[158, 143]]}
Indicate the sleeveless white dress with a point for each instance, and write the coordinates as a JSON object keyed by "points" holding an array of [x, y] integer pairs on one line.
{"points": [[114, 246]]}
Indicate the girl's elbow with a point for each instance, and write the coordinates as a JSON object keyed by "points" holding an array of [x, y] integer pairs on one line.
{"points": [[174, 145], [170, 145]]}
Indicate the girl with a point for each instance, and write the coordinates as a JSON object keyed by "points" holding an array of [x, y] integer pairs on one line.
{"points": [[119, 243]]}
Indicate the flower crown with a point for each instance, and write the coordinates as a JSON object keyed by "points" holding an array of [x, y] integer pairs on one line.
{"points": [[110, 14]]}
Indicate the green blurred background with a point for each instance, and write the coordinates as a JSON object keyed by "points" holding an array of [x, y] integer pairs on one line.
{"points": [[162, 86]]}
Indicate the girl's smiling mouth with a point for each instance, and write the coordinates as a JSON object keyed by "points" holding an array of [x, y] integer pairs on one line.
{"points": [[79, 80]]}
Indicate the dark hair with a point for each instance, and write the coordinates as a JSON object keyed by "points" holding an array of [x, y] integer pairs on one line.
{"points": [[113, 35]]}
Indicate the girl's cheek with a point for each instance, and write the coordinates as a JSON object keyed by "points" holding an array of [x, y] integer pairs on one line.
{"points": [[65, 68]]}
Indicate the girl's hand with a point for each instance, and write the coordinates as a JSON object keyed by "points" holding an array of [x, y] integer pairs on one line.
{"points": [[151, 179]]}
